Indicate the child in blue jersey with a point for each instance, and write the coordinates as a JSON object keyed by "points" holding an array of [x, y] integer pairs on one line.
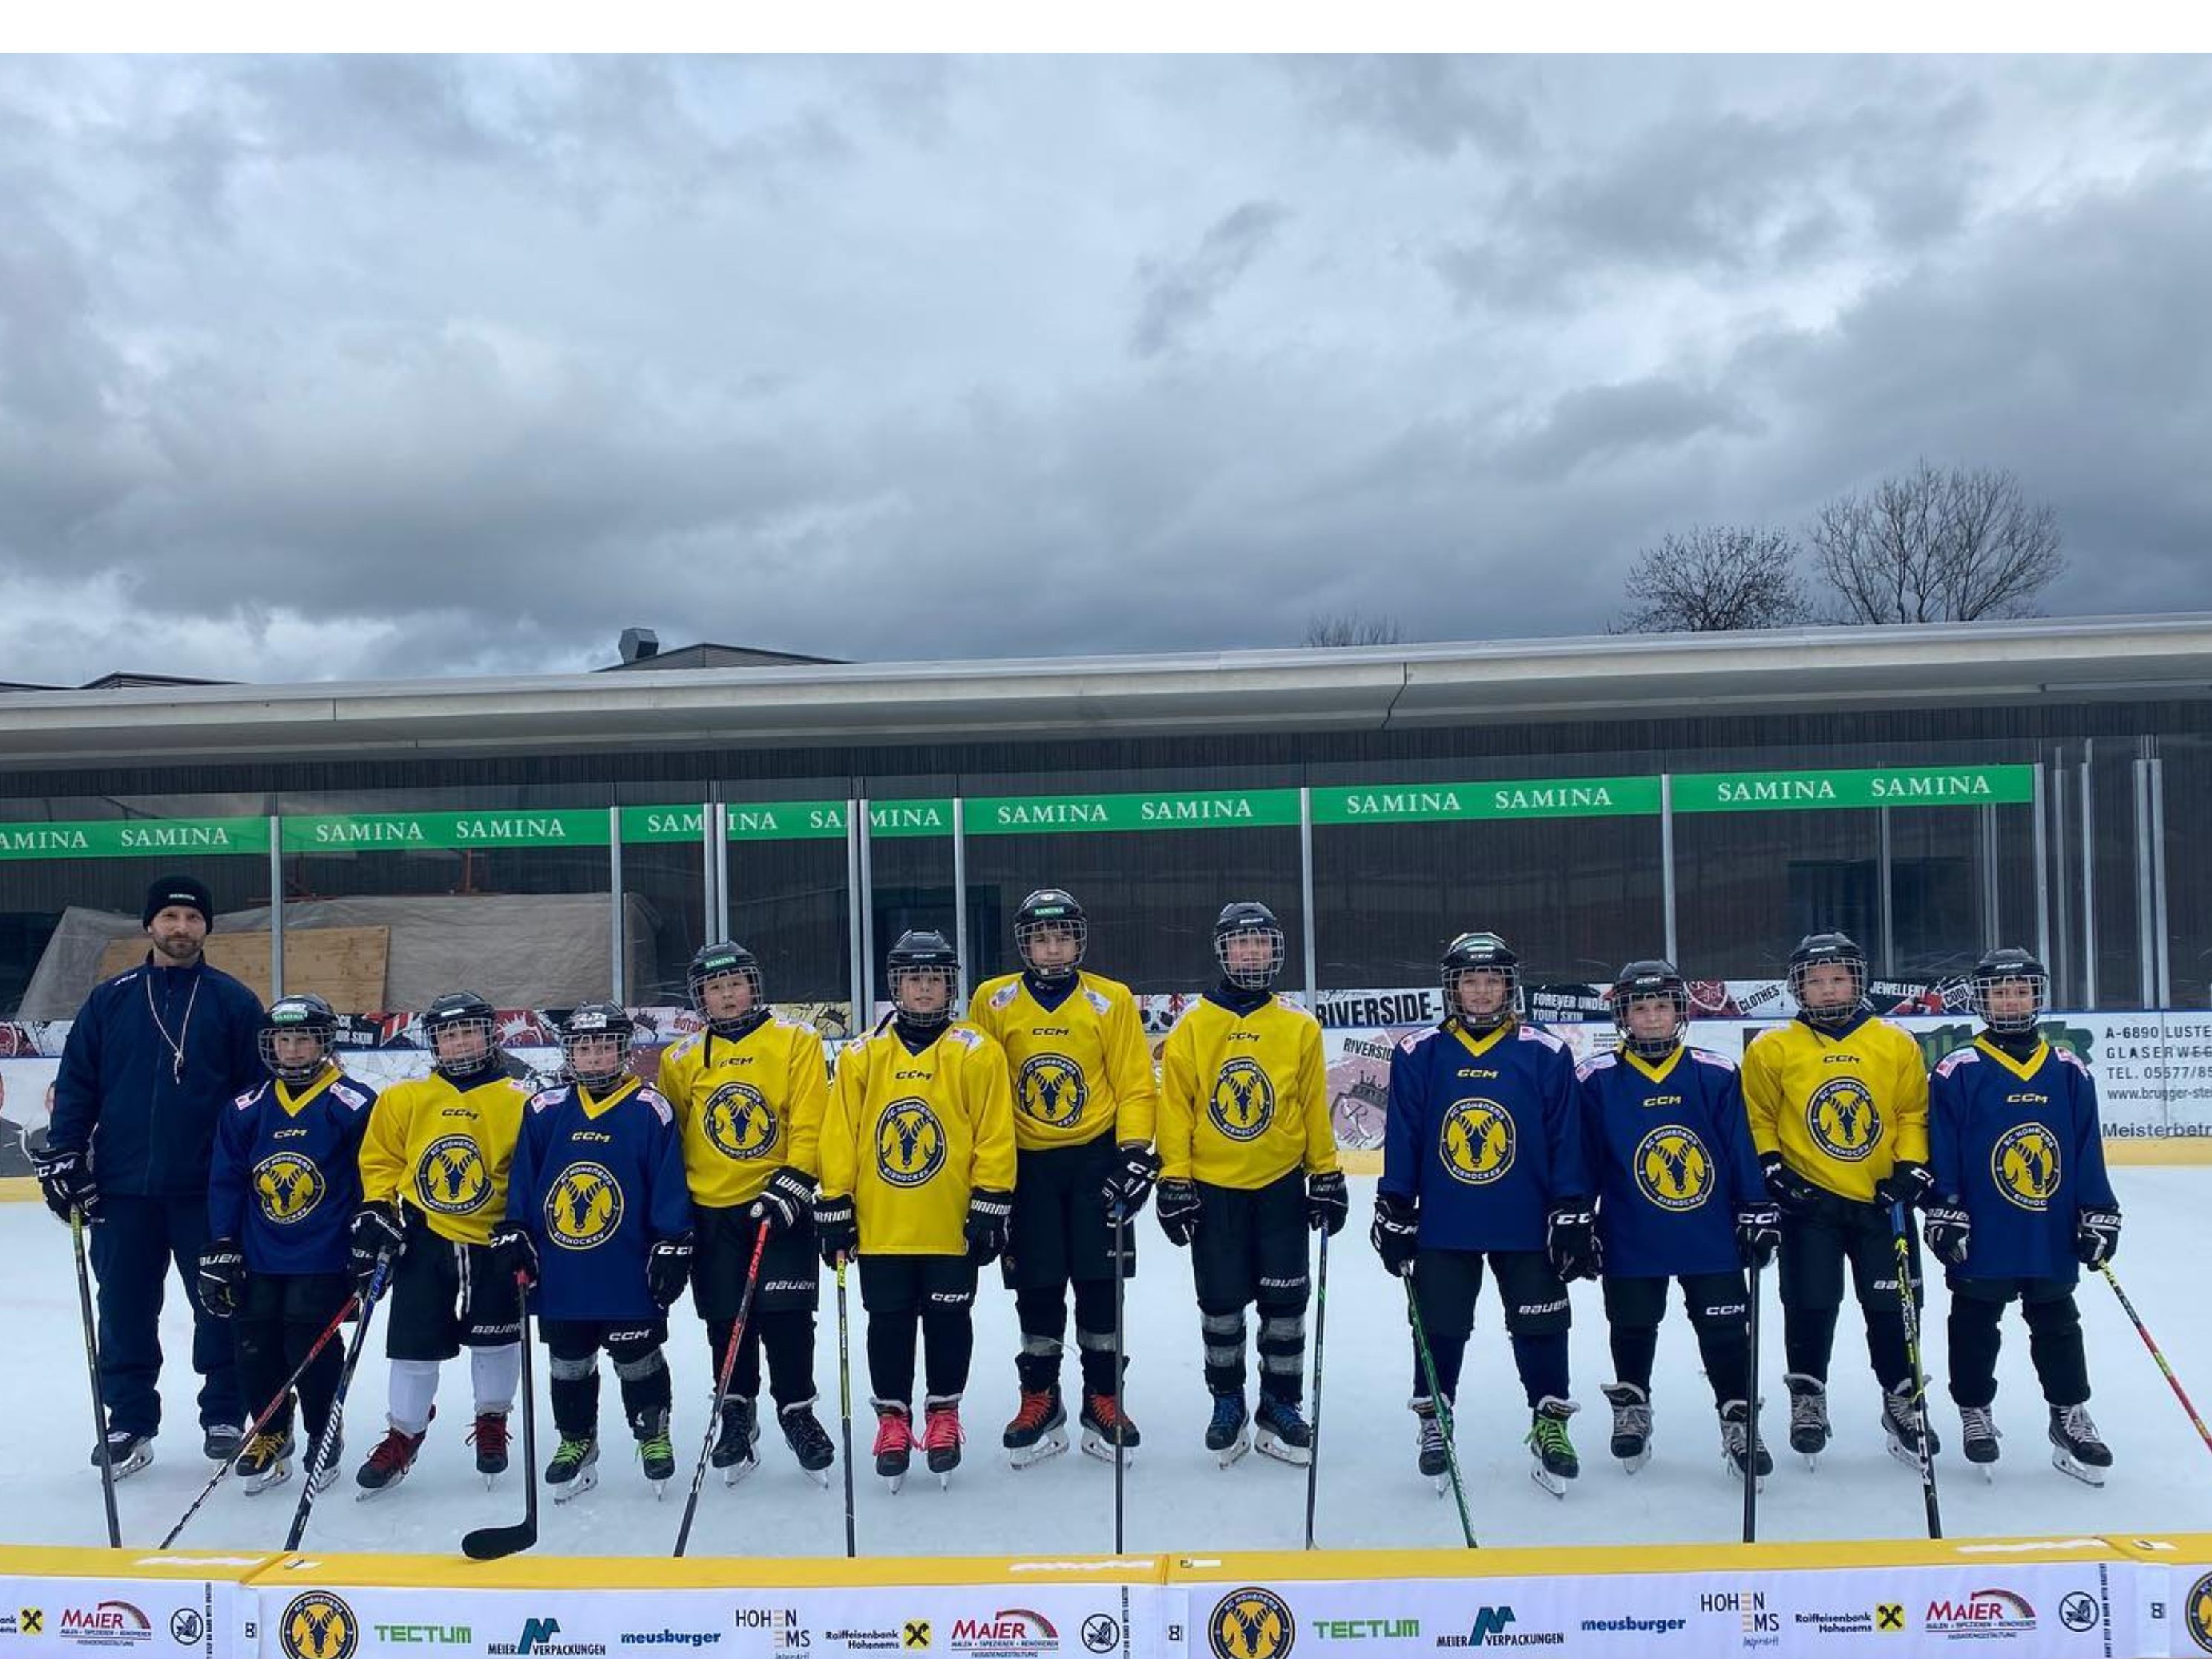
{"points": [[2019, 1159], [1482, 1157], [1679, 1197], [598, 1213], [283, 1183]]}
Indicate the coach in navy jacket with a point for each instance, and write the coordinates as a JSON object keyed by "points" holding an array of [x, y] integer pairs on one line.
{"points": [[153, 1057]]}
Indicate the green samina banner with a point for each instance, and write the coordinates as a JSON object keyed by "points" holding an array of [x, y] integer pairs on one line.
{"points": [[1534, 798], [368, 832], [1060, 815], [1881, 786], [786, 820], [123, 838]]}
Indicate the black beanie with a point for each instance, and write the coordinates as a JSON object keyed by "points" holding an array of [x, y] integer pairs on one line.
{"points": [[189, 890]]}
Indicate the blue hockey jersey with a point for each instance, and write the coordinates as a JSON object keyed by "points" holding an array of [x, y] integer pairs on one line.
{"points": [[598, 1183], [2019, 1145], [1671, 1147], [284, 1172], [1483, 1132]]}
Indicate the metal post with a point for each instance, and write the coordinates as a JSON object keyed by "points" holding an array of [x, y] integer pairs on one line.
{"points": [[616, 977], [710, 872], [1888, 905], [2062, 920], [2145, 959], [1306, 896], [867, 912], [2042, 876], [1666, 864], [1992, 891], [2089, 880], [960, 891], [277, 911], [721, 870], [854, 1022], [2161, 939]]}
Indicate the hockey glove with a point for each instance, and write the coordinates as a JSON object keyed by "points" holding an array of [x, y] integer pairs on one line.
{"points": [[1907, 1184], [1758, 1234], [65, 1182], [1792, 1193], [2096, 1237], [1571, 1240], [990, 1213], [1177, 1209], [375, 1233], [1947, 1227], [786, 1201], [1328, 1202], [1132, 1182], [836, 1234], [668, 1270], [222, 1277], [1396, 1232], [513, 1251]]}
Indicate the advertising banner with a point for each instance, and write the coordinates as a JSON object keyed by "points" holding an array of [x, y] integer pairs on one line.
{"points": [[89, 1603]]}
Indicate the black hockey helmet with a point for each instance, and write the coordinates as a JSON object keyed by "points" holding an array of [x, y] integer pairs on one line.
{"points": [[922, 953], [462, 1012], [1819, 950], [305, 1015], [1249, 919], [2006, 965], [1050, 909], [599, 1023], [720, 960], [1643, 981], [1481, 953]]}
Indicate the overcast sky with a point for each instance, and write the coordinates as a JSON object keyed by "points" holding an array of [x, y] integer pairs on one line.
{"points": [[314, 368]]}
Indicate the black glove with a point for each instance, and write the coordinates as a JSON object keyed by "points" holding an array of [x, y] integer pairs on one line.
{"points": [[835, 1232], [1947, 1227], [1792, 1193], [2096, 1237], [1758, 1234], [1396, 1233], [1177, 1210], [1571, 1240], [513, 1251], [990, 1213], [65, 1182], [786, 1200], [668, 1270], [1907, 1184], [222, 1277], [375, 1232], [1328, 1202], [1132, 1182]]}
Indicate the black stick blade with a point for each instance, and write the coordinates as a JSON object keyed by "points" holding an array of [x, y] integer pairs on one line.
{"points": [[492, 1543]]}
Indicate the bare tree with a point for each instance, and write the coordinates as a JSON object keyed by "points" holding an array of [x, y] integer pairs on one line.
{"points": [[1935, 546], [1354, 629], [1715, 578]]}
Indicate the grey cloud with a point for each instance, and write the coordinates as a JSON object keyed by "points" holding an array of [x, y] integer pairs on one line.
{"points": [[1435, 103], [1595, 424], [1177, 294]]}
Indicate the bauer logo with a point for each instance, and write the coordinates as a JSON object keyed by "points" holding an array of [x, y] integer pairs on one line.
{"points": [[1986, 1613], [288, 1185], [910, 1143], [1251, 1624], [1673, 1168], [2025, 1165], [2196, 1613], [452, 1178], [1476, 1141], [1842, 1121], [739, 1122], [317, 1626], [1051, 1090], [1243, 1102], [584, 1207]]}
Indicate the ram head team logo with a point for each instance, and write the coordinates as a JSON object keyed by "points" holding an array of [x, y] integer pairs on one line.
{"points": [[739, 1122], [1476, 1141], [452, 1178], [910, 1143], [2196, 1613], [1842, 1118], [583, 1206], [317, 1626], [1052, 1090], [2025, 1163], [288, 1187], [1243, 1102], [1251, 1624], [1673, 1169]]}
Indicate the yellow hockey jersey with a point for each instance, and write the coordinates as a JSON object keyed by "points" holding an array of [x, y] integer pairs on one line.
{"points": [[747, 1108], [1079, 1070], [445, 1152], [1243, 1098], [1842, 1109], [910, 1136]]}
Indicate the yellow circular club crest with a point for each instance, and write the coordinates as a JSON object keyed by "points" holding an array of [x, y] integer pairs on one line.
{"points": [[1051, 1090], [1673, 1168], [452, 1178], [1842, 1121], [2196, 1613], [583, 1207], [739, 1122], [1251, 1624], [1243, 1101], [2025, 1165], [1476, 1141], [317, 1626], [288, 1187], [910, 1143]]}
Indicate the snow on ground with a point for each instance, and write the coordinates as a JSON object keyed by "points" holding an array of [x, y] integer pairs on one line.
{"points": [[1177, 1499]]}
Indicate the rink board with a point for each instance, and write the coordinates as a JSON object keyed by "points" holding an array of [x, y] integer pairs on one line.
{"points": [[173, 1604]]}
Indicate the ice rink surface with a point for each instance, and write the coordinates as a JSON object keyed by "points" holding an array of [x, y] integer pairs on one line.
{"points": [[1177, 1499]]}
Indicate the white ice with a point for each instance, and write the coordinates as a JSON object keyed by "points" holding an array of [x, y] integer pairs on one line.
{"points": [[1177, 1499]]}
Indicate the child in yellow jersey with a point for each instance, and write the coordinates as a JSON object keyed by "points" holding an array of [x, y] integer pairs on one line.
{"points": [[750, 1092], [433, 1169], [917, 1181], [1248, 1164], [1838, 1101], [1085, 1100]]}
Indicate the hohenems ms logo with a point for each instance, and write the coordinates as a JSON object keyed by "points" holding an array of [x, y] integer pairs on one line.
{"points": [[1251, 1624]]}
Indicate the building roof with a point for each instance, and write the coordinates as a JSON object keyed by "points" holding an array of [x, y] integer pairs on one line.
{"points": [[709, 654]]}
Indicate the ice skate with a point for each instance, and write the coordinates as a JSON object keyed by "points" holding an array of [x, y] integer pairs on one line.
{"points": [[1282, 1431], [1554, 1461], [2077, 1448], [1904, 1422], [808, 1440], [267, 1459], [1742, 1445], [489, 1437], [656, 1453], [1430, 1457], [1103, 1419], [1808, 1415], [221, 1443], [1039, 1429], [735, 1440], [575, 1468], [894, 1449], [1632, 1424], [127, 1453], [388, 1463], [1978, 1431], [1229, 1436], [941, 1435]]}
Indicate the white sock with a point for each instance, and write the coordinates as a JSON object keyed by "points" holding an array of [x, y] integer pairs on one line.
{"points": [[414, 1386], [495, 1372]]}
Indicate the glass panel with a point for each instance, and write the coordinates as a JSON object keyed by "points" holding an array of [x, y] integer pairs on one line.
{"points": [[664, 886], [790, 893]]}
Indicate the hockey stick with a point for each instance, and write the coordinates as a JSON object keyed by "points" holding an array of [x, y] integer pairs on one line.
{"points": [[722, 1385], [1120, 1223], [1909, 1310], [1321, 1331], [268, 1415], [490, 1543], [1751, 1411], [1443, 1405], [327, 1440], [92, 1369], [2143, 1331], [845, 1405]]}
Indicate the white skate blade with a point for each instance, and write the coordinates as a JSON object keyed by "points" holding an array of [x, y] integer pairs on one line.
{"points": [[1282, 1451], [739, 1471], [586, 1478], [1236, 1448], [2066, 1463], [129, 1466], [894, 1481], [1051, 1444], [1635, 1465], [1442, 1483], [819, 1476], [365, 1493], [276, 1475], [1729, 1468], [1097, 1445], [1554, 1484], [1904, 1454]]}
